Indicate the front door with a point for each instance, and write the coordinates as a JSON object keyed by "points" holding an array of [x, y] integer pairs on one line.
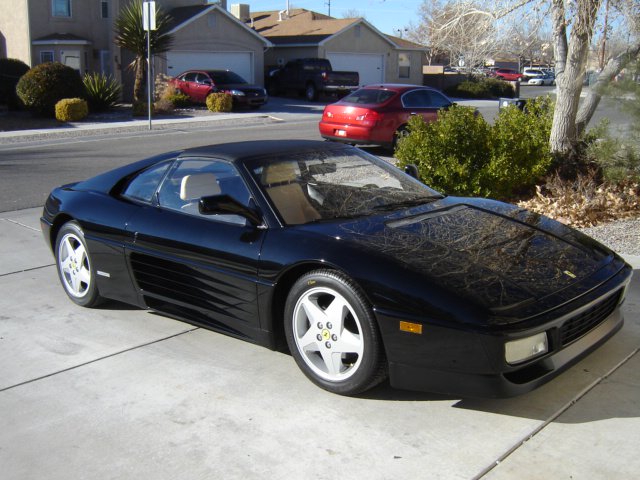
{"points": [[199, 267]]}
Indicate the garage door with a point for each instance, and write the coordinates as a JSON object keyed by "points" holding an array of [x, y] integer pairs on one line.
{"points": [[238, 62], [369, 66]]}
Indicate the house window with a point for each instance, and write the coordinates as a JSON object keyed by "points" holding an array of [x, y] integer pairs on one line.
{"points": [[104, 8], [46, 57], [404, 65], [61, 8]]}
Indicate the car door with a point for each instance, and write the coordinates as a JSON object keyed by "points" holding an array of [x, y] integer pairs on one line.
{"points": [[202, 87], [199, 267], [187, 82], [423, 102]]}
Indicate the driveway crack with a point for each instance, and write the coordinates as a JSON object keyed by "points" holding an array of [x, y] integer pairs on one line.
{"points": [[553, 417], [26, 382]]}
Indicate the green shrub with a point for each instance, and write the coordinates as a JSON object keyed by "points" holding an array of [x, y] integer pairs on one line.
{"points": [[461, 154], [481, 88], [11, 69], [179, 99], [46, 84], [520, 153], [452, 153], [219, 102], [71, 109], [102, 91], [617, 159]]}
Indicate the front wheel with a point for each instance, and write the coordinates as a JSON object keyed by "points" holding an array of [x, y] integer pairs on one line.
{"points": [[332, 333], [74, 266]]}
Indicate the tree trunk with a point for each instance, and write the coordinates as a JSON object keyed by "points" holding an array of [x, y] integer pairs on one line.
{"points": [[570, 73], [613, 67], [139, 83]]}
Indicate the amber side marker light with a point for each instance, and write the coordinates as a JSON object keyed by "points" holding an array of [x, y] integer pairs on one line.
{"points": [[411, 327]]}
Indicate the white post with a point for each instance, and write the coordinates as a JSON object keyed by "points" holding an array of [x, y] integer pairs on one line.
{"points": [[149, 23]]}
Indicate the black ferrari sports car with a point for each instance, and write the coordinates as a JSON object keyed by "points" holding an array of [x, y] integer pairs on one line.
{"points": [[359, 269]]}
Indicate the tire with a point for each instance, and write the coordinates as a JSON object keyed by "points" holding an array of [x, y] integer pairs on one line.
{"points": [[332, 333], [74, 266], [311, 93]]}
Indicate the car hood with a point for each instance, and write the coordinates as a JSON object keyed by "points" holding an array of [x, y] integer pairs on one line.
{"points": [[503, 259]]}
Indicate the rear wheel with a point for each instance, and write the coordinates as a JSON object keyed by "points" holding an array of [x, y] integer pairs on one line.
{"points": [[74, 266], [332, 333]]}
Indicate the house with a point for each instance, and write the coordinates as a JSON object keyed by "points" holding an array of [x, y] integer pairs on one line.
{"points": [[208, 36], [348, 43], [80, 33]]}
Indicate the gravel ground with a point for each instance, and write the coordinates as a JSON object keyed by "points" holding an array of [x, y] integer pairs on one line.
{"points": [[623, 236]]}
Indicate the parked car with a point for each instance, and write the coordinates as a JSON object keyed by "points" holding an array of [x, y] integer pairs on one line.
{"points": [[359, 269], [311, 77], [198, 84], [378, 114], [537, 76], [541, 80], [507, 74]]}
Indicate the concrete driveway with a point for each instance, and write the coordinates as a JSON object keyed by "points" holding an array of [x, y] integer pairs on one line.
{"points": [[122, 393]]}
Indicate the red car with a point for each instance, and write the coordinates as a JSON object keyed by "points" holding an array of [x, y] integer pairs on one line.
{"points": [[507, 74], [200, 83], [378, 114]]}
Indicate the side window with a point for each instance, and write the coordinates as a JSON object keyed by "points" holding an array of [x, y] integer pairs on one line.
{"points": [[191, 179], [201, 78], [437, 100], [416, 99], [145, 184], [190, 77]]}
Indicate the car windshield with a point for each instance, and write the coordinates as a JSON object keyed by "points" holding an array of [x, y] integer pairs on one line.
{"points": [[222, 77], [324, 185], [371, 96]]}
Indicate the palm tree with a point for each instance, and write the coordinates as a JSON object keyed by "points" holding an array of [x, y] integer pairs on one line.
{"points": [[130, 35]]}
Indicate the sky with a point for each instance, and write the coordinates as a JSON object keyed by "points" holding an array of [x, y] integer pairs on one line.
{"points": [[388, 16]]}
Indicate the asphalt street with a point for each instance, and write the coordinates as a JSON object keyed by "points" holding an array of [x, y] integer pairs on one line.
{"points": [[121, 393]]}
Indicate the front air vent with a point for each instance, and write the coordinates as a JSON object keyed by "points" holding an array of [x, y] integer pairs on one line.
{"points": [[581, 324]]}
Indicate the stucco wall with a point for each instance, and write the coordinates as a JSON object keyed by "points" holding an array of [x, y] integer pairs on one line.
{"points": [[392, 71], [14, 28], [216, 32], [272, 55], [357, 39]]}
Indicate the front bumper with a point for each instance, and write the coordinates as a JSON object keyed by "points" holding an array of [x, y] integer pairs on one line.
{"points": [[471, 363]]}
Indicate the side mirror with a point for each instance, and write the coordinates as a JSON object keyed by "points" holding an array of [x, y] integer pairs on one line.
{"points": [[227, 205], [412, 171]]}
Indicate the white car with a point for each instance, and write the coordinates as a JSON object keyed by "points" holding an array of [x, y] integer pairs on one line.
{"points": [[544, 79]]}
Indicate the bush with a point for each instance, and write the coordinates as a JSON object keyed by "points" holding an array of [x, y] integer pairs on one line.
{"points": [[71, 109], [163, 106], [481, 88], [462, 154], [219, 102], [11, 69], [102, 92], [140, 109], [452, 153], [46, 84], [618, 159], [179, 100], [520, 153]]}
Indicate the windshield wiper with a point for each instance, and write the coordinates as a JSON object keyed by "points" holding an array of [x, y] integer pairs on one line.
{"points": [[414, 202]]}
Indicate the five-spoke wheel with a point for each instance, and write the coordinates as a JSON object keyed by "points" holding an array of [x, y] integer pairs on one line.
{"points": [[74, 265], [332, 333]]}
